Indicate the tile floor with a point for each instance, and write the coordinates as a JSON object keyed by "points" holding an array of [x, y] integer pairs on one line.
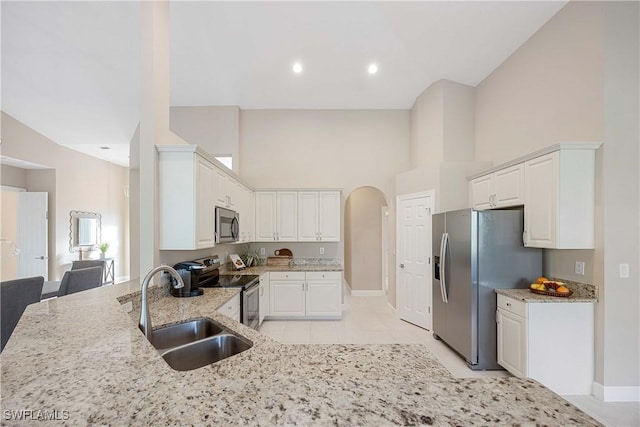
{"points": [[370, 320]]}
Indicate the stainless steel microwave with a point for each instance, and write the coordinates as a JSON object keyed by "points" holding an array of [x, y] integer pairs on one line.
{"points": [[227, 226]]}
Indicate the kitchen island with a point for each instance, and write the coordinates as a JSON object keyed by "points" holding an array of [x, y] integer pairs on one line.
{"points": [[83, 356]]}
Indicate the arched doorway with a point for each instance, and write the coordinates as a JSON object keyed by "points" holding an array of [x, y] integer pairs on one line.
{"points": [[364, 241]]}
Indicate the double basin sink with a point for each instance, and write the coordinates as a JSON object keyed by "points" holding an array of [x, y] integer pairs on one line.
{"points": [[195, 343]]}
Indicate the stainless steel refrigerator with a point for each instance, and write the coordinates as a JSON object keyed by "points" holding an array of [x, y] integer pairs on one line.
{"points": [[476, 252]]}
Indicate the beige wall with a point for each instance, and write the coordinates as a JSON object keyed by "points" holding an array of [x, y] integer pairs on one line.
{"points": [[8, 230], [576, 79], [549, 90], [363, 239], [81, 183], [215, 129], [620, 186]]}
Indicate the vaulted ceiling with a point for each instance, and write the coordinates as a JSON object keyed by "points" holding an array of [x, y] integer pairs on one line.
{"points": [[71, 70]]}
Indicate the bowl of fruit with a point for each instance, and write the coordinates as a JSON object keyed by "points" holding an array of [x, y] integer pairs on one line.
{"points": [[544, 286]]}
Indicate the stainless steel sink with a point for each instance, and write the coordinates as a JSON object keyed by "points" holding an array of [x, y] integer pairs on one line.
{"points": [[170, 336], [206, 351]]}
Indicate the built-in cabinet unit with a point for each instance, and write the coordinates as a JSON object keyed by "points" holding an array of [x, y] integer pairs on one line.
{"points": [[231, 308], [557, 188], [499, 189], [550, 342], [315, 294], [276, 216], [191, 184], [186, 208], [319, 216]]}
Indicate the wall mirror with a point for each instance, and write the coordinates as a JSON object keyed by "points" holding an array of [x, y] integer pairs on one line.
{"points": [[85, 230]]}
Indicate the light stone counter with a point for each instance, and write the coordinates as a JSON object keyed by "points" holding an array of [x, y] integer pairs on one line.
{"points": [[84, 354], [582, 292]]}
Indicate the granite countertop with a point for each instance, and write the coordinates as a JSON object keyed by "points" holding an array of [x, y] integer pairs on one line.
{"points": [[84, 356], [582, 292]]}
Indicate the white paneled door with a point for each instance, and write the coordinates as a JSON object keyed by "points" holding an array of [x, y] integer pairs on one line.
{"points": [[414, 259], [32, 235]]}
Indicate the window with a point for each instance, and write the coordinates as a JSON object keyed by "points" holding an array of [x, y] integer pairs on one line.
{"points": [[226, 160]]}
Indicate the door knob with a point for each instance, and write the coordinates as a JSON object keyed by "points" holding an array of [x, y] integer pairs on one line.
{"points": [[401, 265]]}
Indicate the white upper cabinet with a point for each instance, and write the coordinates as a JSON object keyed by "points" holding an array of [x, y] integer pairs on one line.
{"points": [[225, 190], [276, 216], [319, 216], [246, 211], [287, 216], [186, 201], [560, 199], [482, 192], [500, 189], [265, 216]]}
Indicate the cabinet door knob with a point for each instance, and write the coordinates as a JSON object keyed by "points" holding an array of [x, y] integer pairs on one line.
{"points": [[401, 265]]}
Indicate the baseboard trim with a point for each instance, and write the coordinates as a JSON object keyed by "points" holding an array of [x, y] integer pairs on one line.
{"points": [[379, 293], [392, 307], [616, 393]]}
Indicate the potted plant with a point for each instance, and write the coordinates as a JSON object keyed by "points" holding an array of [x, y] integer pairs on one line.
{"points": [[104, 247], [250, 259]]}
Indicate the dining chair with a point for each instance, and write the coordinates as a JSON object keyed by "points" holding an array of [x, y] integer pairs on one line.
{"points": [[15, 296], [86, 263], [80, 280]]}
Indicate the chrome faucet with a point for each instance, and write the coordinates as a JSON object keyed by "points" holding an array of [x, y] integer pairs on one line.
{"points": [[145, 317]]}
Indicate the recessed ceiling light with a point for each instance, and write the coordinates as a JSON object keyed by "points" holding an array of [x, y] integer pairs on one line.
{"points": [[373, 68], [297, 68]]}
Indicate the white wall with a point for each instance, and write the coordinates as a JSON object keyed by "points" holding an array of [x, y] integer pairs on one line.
{"points": [[576, 79], [81, 183]]}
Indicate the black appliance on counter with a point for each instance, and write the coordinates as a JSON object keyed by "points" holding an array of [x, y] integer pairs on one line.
{"points": [[205, 273]]}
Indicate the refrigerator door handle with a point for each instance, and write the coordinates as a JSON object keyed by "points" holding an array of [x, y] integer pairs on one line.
{"points": [[443, 267]]}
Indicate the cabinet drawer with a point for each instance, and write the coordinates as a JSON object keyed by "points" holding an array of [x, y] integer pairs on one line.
{"points": [[230, 307], [512, 305], [324, 275], [287, 275]]}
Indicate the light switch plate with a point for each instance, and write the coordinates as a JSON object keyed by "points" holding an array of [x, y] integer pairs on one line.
{"points": [[321, 251], [263, 251], [580, 268], [624, 271]]}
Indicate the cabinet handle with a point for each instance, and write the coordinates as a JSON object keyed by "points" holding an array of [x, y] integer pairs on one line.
{"points": [[508, 304], [524, 238]]}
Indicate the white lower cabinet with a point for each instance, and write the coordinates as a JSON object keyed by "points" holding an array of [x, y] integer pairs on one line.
{"points": [[305, 294], [287, 294], [231, 308], [512, 340], [550, 342], [264, 296]]}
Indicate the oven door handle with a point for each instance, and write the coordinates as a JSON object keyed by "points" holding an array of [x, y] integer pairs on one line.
{"points": [[252, 289]]}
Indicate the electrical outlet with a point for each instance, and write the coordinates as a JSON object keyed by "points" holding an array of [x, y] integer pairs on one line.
{"points": [[263, 251], [580, 268], [321, 251], [624, 271]]}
